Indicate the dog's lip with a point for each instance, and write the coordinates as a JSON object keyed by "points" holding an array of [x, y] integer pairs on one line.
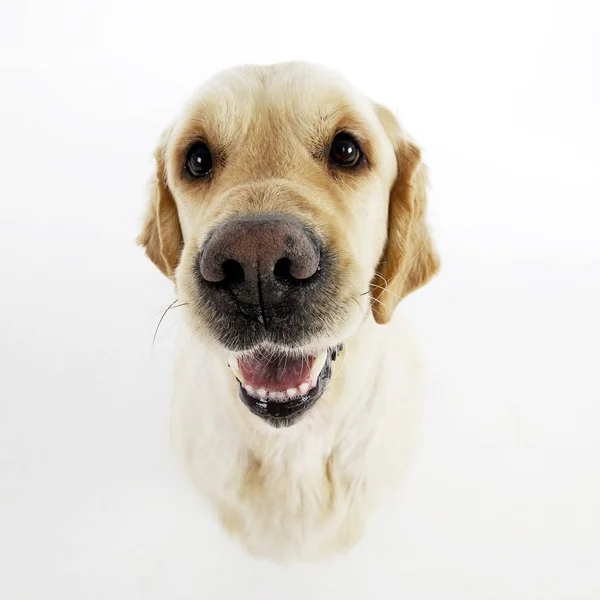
{"points": [[284, 410]]}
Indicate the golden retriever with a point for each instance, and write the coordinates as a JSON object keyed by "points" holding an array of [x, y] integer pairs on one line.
{"points": [[289, 211]]}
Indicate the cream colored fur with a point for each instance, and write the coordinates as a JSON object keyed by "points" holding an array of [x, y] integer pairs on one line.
{"points": [[302, 492], [305, 491]]}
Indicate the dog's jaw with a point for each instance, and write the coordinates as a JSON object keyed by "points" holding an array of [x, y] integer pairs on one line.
{"points": [[281, 387]]}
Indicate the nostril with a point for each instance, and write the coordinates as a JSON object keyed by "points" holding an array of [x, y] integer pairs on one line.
{"points": [[295, 270], [282, 269], [233, 272]]}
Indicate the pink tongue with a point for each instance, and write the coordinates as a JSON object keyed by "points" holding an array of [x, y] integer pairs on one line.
{"points": [[277, 373]]}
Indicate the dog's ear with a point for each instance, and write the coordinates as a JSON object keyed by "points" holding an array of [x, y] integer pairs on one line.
{"points": [[161, 235], [409, 259]]}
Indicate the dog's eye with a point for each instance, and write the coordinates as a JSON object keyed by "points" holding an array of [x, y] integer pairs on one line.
{"points": [[199, 160], [345, 151]]}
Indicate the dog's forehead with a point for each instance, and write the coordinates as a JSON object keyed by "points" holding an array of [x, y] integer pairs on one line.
{"points": [[296, 95]]}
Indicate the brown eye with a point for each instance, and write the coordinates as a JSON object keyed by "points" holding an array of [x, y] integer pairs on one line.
{"points": [[198, 162], [345, 151]]}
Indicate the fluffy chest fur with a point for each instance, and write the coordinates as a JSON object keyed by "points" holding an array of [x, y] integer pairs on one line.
{"points": [[304, 491]]}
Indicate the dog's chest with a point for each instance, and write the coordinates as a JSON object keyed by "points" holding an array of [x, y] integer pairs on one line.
{"points": [[307, 497], [302, 491]]}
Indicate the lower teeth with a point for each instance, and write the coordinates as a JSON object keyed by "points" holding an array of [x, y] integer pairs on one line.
{"points": [[274, 395]]}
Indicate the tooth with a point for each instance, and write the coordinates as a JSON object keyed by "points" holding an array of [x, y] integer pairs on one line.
{"points": [[318, 366], [234, 367], [261, 393], [249, 389], [304, 387], [277, 395], [292, 392]]}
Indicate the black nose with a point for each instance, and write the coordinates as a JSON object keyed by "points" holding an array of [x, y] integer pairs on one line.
{"points": [[260, 259]]}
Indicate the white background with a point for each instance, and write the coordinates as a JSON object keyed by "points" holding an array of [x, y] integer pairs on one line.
{"points": [[503, 498]]}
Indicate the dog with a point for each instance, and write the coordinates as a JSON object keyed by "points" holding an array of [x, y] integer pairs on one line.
{"points": [[289, 211]]}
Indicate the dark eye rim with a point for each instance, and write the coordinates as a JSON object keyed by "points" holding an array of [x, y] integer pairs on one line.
{"points": [[186, 165], [361, 158]]}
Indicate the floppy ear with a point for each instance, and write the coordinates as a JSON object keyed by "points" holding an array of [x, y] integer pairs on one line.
{"points": [[161, 235], [409, 259]]}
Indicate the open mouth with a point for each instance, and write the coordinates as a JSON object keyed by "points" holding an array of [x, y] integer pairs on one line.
{"points": [[280, 387]]}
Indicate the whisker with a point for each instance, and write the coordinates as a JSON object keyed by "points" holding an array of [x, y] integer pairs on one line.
{"points": [[385, 289], [378, 274], [380, 302], [285, 361], [172, 305], [358, 304], [161, 311], [407, 269], [377, 300]]}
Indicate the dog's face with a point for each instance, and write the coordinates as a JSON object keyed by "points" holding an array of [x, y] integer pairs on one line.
{"points": [[286, 207]]}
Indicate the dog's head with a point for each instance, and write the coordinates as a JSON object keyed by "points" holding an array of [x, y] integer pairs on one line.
{"points": [[287, 208]]}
